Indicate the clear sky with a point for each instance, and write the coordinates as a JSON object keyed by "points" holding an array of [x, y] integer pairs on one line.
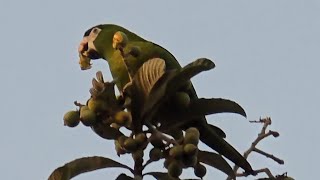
{"points": [[266, 54]]}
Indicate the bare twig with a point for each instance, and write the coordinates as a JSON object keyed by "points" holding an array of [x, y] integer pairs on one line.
{"points": [[263, 134], [280, 161], [264, 170]]}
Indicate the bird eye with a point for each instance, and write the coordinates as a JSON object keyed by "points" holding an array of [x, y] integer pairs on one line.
{"points": [[95, 30]]}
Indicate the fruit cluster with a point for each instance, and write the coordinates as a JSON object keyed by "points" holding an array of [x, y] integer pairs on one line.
{"points": [[184, 154]]}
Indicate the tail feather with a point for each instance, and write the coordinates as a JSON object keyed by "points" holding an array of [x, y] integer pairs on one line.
{"points": [[217, 143]]}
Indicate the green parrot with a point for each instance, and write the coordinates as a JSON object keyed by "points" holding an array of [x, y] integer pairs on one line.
{"points": [[98, 42]]}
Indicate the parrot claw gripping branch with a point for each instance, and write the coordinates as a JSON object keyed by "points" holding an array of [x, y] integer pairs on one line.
{"points": [[157, 106]]}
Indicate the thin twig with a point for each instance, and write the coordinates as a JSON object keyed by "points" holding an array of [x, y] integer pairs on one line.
{"points": [[263, 134], [280, 161]]}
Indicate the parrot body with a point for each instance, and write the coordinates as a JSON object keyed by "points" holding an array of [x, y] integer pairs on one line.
{"points": [[101, 47]]}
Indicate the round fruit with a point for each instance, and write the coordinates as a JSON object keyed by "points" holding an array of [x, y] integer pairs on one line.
{"points": [[155, 154], [156, 141], [122, 118], [190, 149], [140, 138], [175, 169], [200, 170], [176, 151], [71, 118], [97, 105], [120, 39], [130, 144], [181, 100], [88, 117], [83, 108], [190, 161], [192, 136]]}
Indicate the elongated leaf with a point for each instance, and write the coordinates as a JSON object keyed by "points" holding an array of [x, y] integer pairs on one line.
{"points": [[202, 106], [216, 161], [124, 177], [218, 131], [84, 165]]}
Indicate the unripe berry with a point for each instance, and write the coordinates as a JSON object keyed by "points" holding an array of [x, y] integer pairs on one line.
{"points": [[88, 117], [190, 149], [71, 118], [120, 39], [200, 170], [176, 151], [155, 154], [130, 144], [175, 169], [192, 136], [97, 105], [122, 118], [181, 100]]}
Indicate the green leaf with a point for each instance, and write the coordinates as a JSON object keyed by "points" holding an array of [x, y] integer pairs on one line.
{"points": [[216, 161], [218, 131], [124, 177], [202, 106], [84, 165]]}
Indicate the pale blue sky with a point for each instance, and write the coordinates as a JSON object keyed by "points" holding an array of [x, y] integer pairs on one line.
{"points": [[267, 59]]}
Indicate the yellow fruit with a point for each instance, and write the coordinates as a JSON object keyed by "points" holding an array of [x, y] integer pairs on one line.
{"points": [[192, 136], [181, 100], [200, 170], [155, 154], [97, 105], [130, 144], [122, 118], [71, 118], [120, 39], [83, 108], [175, 169], [176, 151], [88, 117], [190, 149]]}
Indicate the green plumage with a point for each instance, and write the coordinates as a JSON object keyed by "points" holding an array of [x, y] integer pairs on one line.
{"points": [[210, 135]]}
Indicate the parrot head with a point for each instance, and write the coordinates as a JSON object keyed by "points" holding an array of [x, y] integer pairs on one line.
{"points": [[101, 41], [87, 50]]}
